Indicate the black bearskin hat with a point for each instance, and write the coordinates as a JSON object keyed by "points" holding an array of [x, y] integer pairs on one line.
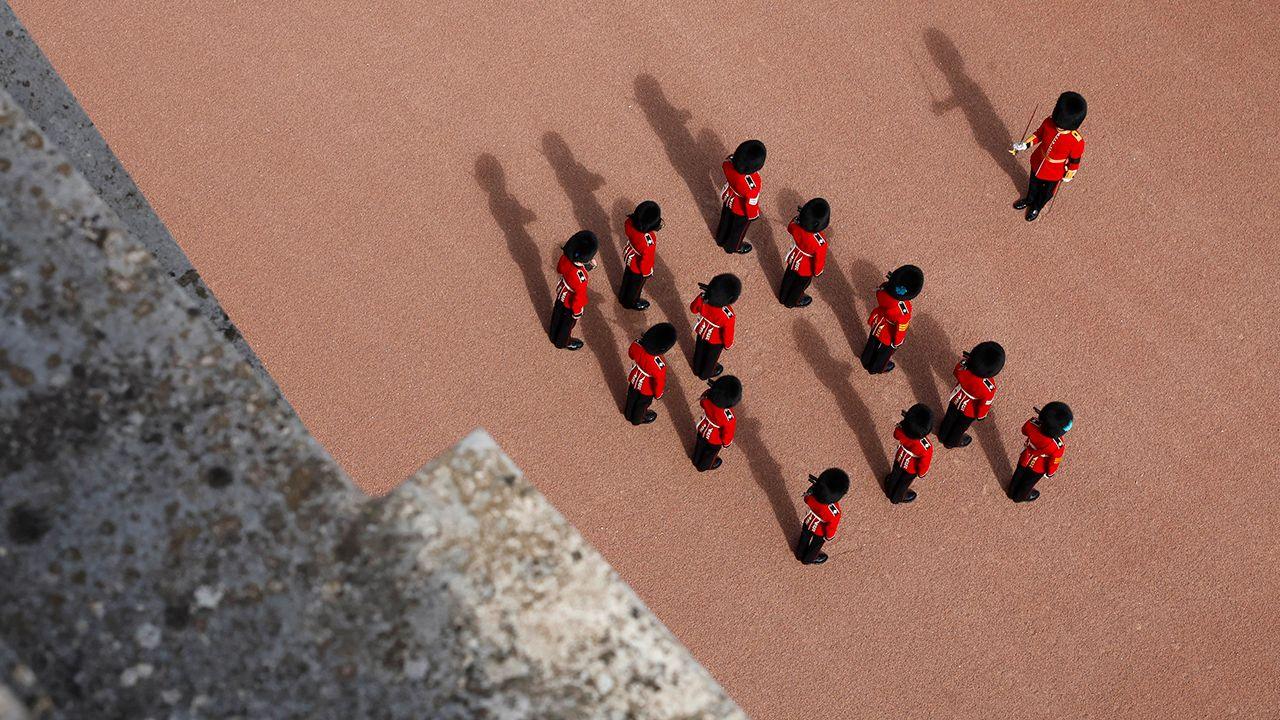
{"points": [[1070, 111], [749, 157], [658, 339], [905, 283], [647, 216], [725, 391], [814, 215], [581, 247], [830, 486], [917, 421], [1055, 419], [723, 289], [986, 359]]}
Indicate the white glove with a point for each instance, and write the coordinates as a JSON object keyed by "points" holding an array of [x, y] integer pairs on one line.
{"points": [[1020, 146], [1069, 176]]}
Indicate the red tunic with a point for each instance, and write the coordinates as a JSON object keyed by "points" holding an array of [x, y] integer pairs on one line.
{"points": [[808, 254], [973, 395], [913, 456], [890, 318], [572, 289], [717, 424], [823, 518], [1042, 453], [715, 324], [1057, 151], [641, 249], [741, 193], [648, 373]]}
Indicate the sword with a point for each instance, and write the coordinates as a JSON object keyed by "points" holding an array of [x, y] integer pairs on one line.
{"points": [[1027, 129]]}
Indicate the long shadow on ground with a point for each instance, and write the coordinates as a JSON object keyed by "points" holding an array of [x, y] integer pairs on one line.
{"points": [[988, 129], [694, 159], [512, 217], [834, 375], [767, 474]]}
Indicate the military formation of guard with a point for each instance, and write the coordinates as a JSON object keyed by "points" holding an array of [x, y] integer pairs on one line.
{"points": [[1059, 147]]}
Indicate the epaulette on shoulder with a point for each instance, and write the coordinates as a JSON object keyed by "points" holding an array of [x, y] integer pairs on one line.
{"points": [[648, 238], [582, 275], [833, 508], [1076, 135], [728, 414], [821, 240], [657, 360], [750, 183], [902, 307], [990, 385], [1058, 441], [728, 311], [924, 443]]}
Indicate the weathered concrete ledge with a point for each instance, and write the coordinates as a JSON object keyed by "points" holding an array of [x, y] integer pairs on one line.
{"points": [[175, 545]]}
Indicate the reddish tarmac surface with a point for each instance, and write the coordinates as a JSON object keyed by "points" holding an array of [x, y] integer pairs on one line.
{"points": [[377, 191]]}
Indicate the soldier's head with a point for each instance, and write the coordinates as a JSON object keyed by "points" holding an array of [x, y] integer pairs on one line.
{"points": [[581, 247], [986, 359], [723, 289], [647, 217], [725, 391], [904, 283], [814, 216], [658, 339], [749, 157], [1055, 419], [830, 486], [1070, 110], [917, 421]]}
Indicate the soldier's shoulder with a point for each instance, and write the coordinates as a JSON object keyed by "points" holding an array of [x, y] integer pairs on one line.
{"points": [[1076, 134]]}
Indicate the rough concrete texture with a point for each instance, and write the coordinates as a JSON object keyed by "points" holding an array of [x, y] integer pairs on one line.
{"points": [[176, 545], [25, 73]]}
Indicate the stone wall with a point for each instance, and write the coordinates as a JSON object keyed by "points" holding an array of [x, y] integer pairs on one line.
{"points": [[175, 545]]}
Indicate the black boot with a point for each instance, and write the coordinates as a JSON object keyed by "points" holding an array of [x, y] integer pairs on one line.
{"points": [[1032, 214], [716, 373], [744, 248], [649, 416], [1021, 204], [803, 302], [574, 344], [640, 305]]}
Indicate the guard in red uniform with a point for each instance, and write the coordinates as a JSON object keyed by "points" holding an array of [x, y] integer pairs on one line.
{"points": [[571, 293], [808, 256], [890, 317], [641, 228], [741, 196], [823, 501], [716, 428], [1043, 453], [715, 323], [648, 377], [974, 392], [914, 453], [1059, 148]]}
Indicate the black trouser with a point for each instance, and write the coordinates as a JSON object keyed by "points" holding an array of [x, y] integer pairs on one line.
{"points": [[1023, 482], [1039, 192], [632, 285], [793, 287], [898, 483], [954, 425], [732, 228], [875, 356], [706, 355], [704, 454], [562, 322], [637, 405], [809, 546]]}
